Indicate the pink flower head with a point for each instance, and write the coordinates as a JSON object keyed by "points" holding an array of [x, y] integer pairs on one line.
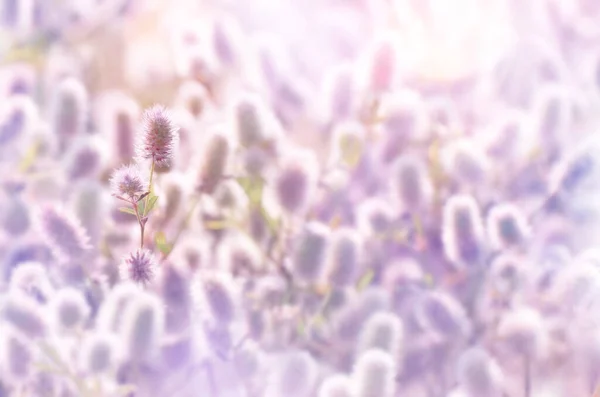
{"points": [[128, 182], [159, 137], [139, 266]]}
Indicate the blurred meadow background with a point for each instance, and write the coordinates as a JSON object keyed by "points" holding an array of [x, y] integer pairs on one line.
{"points": [[309, 198]]}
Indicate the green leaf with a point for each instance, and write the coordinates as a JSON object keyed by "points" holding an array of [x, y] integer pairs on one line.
{"points": [[219, 224], [351, 149], [127, 210], [151, 203], [365, 280], [253, 187], [161, 243]]}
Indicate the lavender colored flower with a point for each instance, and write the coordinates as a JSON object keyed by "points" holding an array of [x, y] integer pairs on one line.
{"points": [[466, 162], [128, 182], [336, 386], [32, 279], [159, 137], [69, 308], [239, 254], [217, 296], [344, 257], [251, 120], [374, 374], [295, 376], [24, 314], [214, 161], [117, 119], [139, 267], [478, 373], [70, 111], [226, 40], [15, 219], [99, 353], [296, 180], [143, 327], [18, 117], [507, 226], [524, 331], [443, 314], [193, 97], [411, 183], [16, 356], [382, 66], [463, 231], [111, 313], [311, 252], [553, 114], [85, 158], [405, 119], [63, 232], [90, 206], [248, 360], [339, 94], [385, 331]]}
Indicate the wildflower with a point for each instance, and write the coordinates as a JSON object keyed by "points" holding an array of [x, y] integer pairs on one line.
{"points": [[63, 232], [374, 374], [128, 182], [70, 308], [143, 327], [139, 267], [159, 137]]}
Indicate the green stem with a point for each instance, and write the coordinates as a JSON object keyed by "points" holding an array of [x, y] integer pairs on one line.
{"points": [[184, 224], [150, 189]]}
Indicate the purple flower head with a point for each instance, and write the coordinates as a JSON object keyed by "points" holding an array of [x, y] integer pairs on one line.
{"points": [[99, 352], [24, 314], [344, 258], [159, 137], [128, 182], [70, 108], [463, 230], [411, 183], [296, 180], [69, 308], [32, 278], [311, 252], [143, 327], [524, 331], [478, 373], [382, 66], [85, 158], [374, 374], [384, 331], [193, 97], [336, 386], [216, 296], [506, 226], [139, 267], [339, 94], [214, 162], [294, 376], [63, 233], [16, 356]]}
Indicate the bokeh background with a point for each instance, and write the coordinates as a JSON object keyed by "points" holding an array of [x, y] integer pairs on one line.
{"points": [[361, 198]]}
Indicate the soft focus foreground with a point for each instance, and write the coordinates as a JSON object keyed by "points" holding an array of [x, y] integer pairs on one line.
{"points": [[299, 198]]}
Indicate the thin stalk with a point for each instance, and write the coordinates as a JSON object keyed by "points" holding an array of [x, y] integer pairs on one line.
{"points": [[527, 375], [184, 224]]}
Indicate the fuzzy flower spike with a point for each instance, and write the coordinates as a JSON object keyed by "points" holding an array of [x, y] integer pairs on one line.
{"points": [[128, 182], [139, 267], [159, 137]]}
